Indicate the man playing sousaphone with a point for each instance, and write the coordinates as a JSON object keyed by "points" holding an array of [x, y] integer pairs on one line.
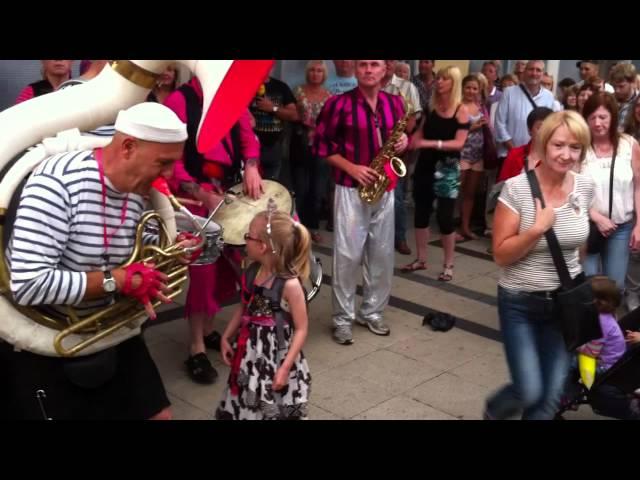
{"points": [[351, 129], [205, 177], [75, 224]]}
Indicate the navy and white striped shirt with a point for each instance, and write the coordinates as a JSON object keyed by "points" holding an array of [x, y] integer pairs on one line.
{"points": [[58, 232]]}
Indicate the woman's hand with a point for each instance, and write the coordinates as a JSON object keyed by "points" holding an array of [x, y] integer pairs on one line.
{"points": [[417, 142], [544, 217], [632, 337], [634, 243], [478, 124], [605, 225]]}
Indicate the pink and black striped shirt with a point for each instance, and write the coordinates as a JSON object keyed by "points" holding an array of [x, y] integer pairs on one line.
{"points": [[347, 126]]}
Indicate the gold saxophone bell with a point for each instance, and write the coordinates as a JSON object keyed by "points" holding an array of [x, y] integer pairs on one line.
{"points": [[398, 167]]}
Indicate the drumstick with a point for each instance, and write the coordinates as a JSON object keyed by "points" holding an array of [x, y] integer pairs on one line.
{"points": [[236, 198], [223, 201]]}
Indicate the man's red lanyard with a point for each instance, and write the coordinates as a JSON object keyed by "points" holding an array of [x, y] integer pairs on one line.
{"points": [[123, 214]]}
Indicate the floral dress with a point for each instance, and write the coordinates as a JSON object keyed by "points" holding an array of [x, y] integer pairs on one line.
{"points": [[258, 354]]}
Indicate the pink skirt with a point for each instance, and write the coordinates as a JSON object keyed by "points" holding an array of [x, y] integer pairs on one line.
{"points": [[212, 285]]}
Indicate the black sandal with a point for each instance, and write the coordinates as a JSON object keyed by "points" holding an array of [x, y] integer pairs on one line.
{"points": [[200, 369], [447, 274], [414, 266]]}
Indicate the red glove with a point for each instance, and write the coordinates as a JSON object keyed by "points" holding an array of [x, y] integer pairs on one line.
{"points": [[150, 287]]}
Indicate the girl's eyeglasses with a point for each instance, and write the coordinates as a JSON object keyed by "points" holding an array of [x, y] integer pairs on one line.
{"points": [[247, 236]]}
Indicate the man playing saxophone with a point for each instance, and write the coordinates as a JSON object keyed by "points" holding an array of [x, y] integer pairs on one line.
{"points": [[351, 129], [75, 224]]}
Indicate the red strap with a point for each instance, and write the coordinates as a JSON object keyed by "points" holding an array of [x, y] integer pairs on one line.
{"points": [[243, 338], [123, 214]]}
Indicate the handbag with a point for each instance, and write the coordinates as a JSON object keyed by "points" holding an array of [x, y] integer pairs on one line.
{"points": [[575, 309], [596, 240], [489, 152]]}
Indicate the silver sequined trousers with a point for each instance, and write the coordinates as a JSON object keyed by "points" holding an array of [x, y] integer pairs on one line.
{"points": [[363, 235]]}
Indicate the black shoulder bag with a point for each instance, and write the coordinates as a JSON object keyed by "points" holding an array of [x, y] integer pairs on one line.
{"points": [[575, 310], [596, 240], [526, 92]]}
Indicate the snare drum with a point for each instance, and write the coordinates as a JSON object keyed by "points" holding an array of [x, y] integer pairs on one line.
{"points": [[213, 238], [313, 284], [235, 215]]}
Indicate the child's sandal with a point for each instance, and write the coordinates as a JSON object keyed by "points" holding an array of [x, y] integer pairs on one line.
{"points": [[447, 274]]}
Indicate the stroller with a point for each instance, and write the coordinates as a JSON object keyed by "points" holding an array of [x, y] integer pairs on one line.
{"points": [[612, 392]]}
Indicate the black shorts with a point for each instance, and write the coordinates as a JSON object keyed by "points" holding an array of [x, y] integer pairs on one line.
{"points": [[128, 386]]}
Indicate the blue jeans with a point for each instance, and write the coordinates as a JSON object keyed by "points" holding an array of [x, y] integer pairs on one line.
{"points": [[614, 257], [536, 355], [401, 210]]}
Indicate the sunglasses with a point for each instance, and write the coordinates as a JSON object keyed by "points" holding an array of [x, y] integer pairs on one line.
{"points": [[247, 236]]}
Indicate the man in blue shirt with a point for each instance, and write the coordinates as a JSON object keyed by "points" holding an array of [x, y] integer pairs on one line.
{"points": [[516, 103]]}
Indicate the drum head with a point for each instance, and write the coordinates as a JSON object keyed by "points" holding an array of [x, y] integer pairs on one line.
{"points": [[235, 215]]}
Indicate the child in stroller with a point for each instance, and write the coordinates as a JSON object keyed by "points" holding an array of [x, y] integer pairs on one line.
{"points": [[613, 392]]}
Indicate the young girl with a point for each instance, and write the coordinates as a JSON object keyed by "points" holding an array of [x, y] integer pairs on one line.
{"points": [[608, 349], [269, 377]]}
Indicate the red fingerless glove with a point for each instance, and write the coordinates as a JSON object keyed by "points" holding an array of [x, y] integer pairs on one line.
{"points": [[190, 236], [149, 287]]}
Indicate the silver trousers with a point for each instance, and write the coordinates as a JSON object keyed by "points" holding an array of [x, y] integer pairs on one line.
{"points": [[363, 235]]}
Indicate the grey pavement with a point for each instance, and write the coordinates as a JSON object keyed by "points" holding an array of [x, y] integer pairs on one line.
{"points": [[414, 373]]}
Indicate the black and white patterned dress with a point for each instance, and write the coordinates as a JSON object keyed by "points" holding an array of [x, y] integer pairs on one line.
{"points": [[248, 394]]}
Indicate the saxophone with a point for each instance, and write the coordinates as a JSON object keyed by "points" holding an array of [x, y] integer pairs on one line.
{"points": [[386, 156]]}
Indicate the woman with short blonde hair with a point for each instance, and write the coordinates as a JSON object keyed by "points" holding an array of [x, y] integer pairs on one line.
{"points": [[535, 350]]}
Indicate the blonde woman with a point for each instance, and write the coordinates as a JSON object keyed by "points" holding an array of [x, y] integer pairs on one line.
{"points": [[437, 176], [471, 161], [310, 173], [535, 350]]}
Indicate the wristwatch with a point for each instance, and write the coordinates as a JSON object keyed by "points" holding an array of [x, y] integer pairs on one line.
{"points": [[109, 283], [275, 109]]}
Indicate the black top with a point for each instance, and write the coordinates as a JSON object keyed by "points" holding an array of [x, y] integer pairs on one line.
{"points": [[440, 128], [268, 127]]}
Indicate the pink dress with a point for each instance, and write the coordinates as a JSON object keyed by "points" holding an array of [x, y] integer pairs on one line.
{"points": [[211, 285]]}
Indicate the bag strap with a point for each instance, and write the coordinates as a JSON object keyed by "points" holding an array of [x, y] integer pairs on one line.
{"points": [[613, 163], [526, 92], [277, 288], [552, 240]]}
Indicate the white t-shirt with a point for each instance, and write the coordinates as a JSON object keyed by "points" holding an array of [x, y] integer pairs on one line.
{"points": [[599, 169]]}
